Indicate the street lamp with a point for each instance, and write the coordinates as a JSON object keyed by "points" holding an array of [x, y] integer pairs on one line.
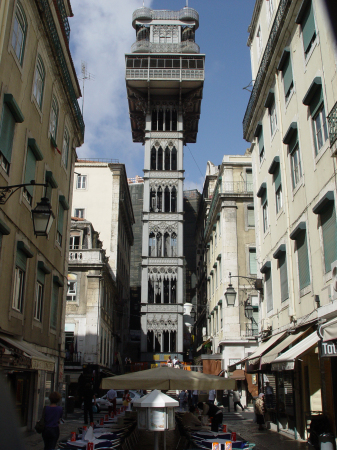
{"points": [[230, 293], [43, 217], [249, 309]]}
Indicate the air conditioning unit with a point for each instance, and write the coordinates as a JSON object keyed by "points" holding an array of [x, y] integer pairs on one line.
{"points": [[265, 325], [333, 287]]}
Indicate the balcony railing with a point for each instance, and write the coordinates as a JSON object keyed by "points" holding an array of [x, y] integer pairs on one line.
{"points": [[183, 14], [152, 47], [64, 17], [164, 74], [251, 330], [332, 121], [92, 256]]}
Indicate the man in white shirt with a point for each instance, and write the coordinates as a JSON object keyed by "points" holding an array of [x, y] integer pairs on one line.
{"points": [[211, 396], [112, 398]]}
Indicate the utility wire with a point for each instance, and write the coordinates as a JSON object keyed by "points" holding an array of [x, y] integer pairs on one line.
{"points": [[195, 160]]}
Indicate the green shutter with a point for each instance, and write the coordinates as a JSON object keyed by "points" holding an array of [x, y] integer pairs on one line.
{"points": [[252, 262], [293, 142], [264, 197], [316, 101], [54, 306], [308, 27], [7, 133], [277, 178], [261, 141], [60, 219], [30, 170], [21, 259], [40, 276], [329, 231], [269, 290], [287, 74], [303, 260], [283, 276]]}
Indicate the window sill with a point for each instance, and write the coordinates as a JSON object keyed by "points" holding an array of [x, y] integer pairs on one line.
{"points": [[17, 314], [37, 323], [17, 62], [279, 214], [305, 291], [327, 276], [322, 151], [52, 330], [274, 134], [37, 107]]}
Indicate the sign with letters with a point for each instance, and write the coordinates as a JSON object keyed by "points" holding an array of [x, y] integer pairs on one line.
{"points": [[329, 348]]}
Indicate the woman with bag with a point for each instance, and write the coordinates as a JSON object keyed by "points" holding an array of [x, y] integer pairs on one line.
{"points": [[259, 411], [52, 415]]}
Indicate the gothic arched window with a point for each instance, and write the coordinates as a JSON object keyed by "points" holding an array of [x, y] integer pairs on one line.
{"points": [[153, 159], [167, 199], [174, 251], [167, 159], [159, 244], [173, 200], [154, 120], [160, 159], [152, 245], [160, 120], [174, 159]]}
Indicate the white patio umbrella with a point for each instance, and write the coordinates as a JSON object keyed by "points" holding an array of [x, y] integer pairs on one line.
{"points": [[166, 378]]}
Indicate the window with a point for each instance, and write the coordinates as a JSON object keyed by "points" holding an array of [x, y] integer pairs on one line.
{"points": [[33, 155], [252, 261], [79, 212], [300, 236], [261, 145], [319, 128], [38, 301], [249, 180], [287, 74], [54, 114], [54, 306], [265, 216], [74, 243], [306, 19], [65, 148], [72, 286], [273, 118], [60, 219], [270, 9], [39, 80], [278, 189], [10, 115], [259, 42], [296, 168], [250, 215], [19, 32], [269, 288], [22, 254], [81, 182], [283, 276]]}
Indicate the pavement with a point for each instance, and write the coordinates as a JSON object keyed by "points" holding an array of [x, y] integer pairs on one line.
{"points": [[240, 422]]}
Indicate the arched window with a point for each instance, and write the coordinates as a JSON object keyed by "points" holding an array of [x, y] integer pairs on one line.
{"points": [[19, 32], [173, 291], [160, 159], [166, 291], [166, 245], [154, 120], [153, 203], [159, 200], [173, 200], [157, 291], [150, 292], [168, 120], [174, 159], [153, 159], [174, 245], [174, 120], [39, 80], [159, 244], [54, 116], [167, 199], [152, 245], [167, 159], [160, 120]]}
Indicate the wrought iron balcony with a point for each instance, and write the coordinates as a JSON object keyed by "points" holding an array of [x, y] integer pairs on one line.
{"points": [[145, 46], [183, 14], [332, 121], [165, 74], [274, 36], [64, 17], [251, 330]]}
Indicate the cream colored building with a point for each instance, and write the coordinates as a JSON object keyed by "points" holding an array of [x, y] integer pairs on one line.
{"points": [[291, 122], [101, 195], [40, 127]]}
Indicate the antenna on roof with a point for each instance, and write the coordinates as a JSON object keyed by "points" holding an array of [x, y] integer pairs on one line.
{"points": [[85, 76]]}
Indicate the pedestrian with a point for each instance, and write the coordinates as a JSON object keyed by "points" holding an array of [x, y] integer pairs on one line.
{"points": [[237, 400], [175, 361], [127, 399], [269, 396], [88, 397], [52, 416], [195, 396], [169, 362], [211, 396], [112, 399], [182, 400], [259, 411], [213, 412]]}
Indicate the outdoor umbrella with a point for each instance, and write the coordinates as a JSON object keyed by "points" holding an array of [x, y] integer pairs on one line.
{"points": [[167, 378]]}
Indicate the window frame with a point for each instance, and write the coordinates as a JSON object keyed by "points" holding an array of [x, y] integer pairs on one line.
{"points": [[19, 11], [39, 81], [320, 113], [295, 173], [38, 304], [54, 117], [78, 216], [19, 289], [65, 147], [251, 251], [79, 182], [307, 15], [272, 117]]}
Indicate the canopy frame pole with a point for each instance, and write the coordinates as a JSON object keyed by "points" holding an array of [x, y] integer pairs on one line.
{"points": [[156, 440]]}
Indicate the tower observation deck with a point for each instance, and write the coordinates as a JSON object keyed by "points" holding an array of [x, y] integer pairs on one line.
{"points": [[164, 80]]}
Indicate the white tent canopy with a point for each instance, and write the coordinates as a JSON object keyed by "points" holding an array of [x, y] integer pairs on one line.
{"points": [[167, 378], [155, 399]]}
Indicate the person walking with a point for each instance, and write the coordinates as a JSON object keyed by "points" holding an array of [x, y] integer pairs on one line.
{"points": [[195, 395], [112, 399], [182, 400], [237, 400], [88, 397], [213, 412], [259, 411], [211, 396], [269, 396], [52, 416]]}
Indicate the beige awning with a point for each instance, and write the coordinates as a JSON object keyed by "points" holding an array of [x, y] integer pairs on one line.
{"points": [[328, 330], [286, 361], [262, 348], [269, 357], [39, 361], [238, 374], [167, 378]]}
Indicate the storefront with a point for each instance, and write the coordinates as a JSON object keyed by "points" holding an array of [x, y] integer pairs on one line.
{"points": [[30, 376]]}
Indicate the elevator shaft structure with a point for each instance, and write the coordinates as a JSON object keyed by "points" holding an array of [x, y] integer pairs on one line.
{"points": [[164, 80]]}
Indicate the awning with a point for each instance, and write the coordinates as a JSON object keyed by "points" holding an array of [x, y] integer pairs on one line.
{"points": [[39, 361], [269, 357], [286, 361], [238, 374], [252, 359], [204, 343], [328, 330], [232, 367]]}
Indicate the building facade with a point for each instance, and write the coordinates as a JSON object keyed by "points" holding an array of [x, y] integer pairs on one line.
{"points": [[40, 127], [112, 214], [291, 123], [90, 308], [164, 79]]}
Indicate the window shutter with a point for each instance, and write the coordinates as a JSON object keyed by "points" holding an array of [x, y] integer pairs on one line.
{"points": [[283, 276], [264, 197], [251, 218], [269, 290], [261, 141], [277, 177], [252, 262], [40, 276], [60, 219], [308, 27], [329, 231], [316, 102], [293, 142], [54, 305], [21, 259], [7, 132], [303, 260], [287, 74], [30, 170]]}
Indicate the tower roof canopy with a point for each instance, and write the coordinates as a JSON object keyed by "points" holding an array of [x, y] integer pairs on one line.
{"points": [[186, 14]]}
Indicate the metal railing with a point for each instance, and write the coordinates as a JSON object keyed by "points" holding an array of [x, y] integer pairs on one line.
{"points": [[332, 121], [237, 187], [183, 14], [86, 256], [172, 74], [73, 358], [274, 35], [98, 160], [46, 10], [251, 330], [64, 17], [152, 47]]}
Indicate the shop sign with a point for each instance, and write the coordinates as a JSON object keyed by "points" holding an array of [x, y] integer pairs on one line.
{"points": [[329, 348], [39, 364], [286, 365]]}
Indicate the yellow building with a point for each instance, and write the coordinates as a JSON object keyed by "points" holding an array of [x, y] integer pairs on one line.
{"points": [[40, 127]]}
